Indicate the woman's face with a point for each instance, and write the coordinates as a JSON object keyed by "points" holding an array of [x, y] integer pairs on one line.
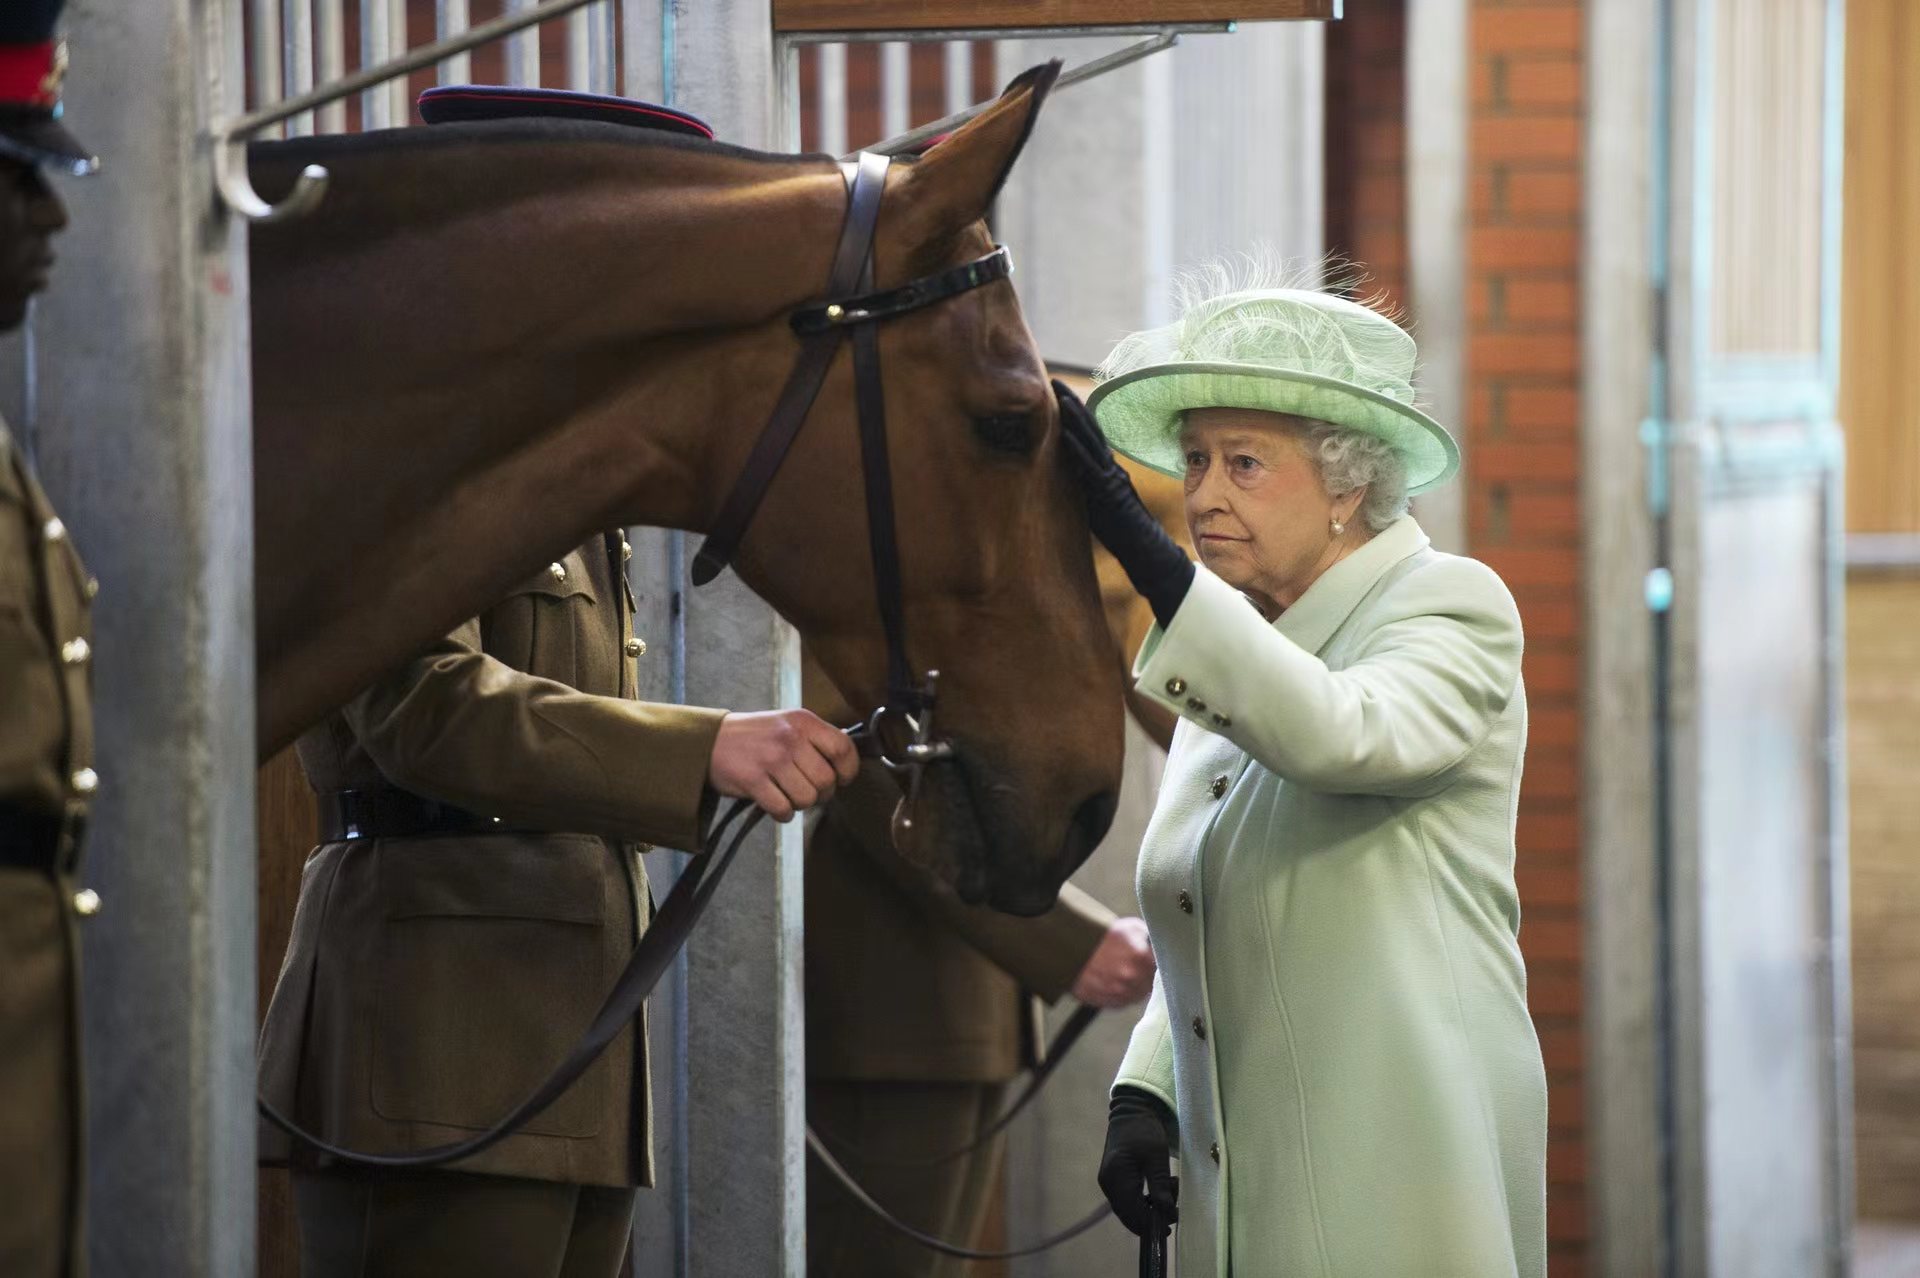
{"points": [[1255, 506]]}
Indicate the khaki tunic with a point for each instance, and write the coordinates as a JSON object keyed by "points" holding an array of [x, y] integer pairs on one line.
{"points": [[46, 757], [430, 983]]}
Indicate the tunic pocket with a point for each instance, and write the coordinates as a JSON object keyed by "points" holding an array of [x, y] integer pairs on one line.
{"points": [[494, 958]]}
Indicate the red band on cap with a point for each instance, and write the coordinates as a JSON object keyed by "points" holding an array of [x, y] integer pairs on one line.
{"points": [[29, 74]]}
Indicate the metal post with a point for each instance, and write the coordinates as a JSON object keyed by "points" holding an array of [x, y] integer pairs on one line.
{"points": [[376, 46], [831, 97], [450, 18], [333, 61], [143, 397], [264, 19], [896, 91], [959, 76], [732, 1199], [523, 50], [298, 25]]}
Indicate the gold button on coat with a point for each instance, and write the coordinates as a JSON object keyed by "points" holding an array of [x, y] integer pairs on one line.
{"points": [[85, 781], [86, 903], [75, 651], [636, 647], [1200, 1029], [1218, 788], [1186, 903], [1222, 721], [1213, 1151], [558, 571], [1176, 687]]}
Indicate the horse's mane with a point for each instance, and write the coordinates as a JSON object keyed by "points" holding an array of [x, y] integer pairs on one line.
{"points": [[318, 149]]}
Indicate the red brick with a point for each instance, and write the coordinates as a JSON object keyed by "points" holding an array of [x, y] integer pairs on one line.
{"points": [[1487, 73], [1549, 772], [1544, 300], [1542, 192], [1551, 935], [1482, 397], [1567, 1260], [1376, 140], [1544, 727], [1501, 138], [1562, 1046], [1541, 407], [1380, 199], [1547, 460], [1555, 670], [1567, 1217], [1566, 1161], [1535, 566], [1480, 309], [1528, 30], [1542, 83], [1566, 1104], [1544, 514], [1484, 201], [1523, 248], [1547, 884], [1552, 991], [1543, 354], [1546, 832]]}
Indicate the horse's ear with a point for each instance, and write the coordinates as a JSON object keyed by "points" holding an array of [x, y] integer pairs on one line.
{"points": [[952, 185]]}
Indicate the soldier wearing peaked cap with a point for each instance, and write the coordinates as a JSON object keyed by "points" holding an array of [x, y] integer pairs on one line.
{"points": [[46, 716]]}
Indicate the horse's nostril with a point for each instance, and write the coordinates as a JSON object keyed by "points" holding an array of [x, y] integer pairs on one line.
{"points": [[1089, 826]]}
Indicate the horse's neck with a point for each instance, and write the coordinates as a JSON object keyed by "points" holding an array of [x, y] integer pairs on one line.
{"points": [[568, 320]]}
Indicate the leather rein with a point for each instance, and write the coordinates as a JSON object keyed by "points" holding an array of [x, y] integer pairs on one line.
{"points": [[899, 733]]}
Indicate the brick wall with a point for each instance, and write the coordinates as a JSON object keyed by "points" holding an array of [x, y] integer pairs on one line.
{"points": [[1521, 436]]}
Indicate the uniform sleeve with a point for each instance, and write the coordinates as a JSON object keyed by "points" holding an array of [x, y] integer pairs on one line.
{"points": [[1148, 1063], [1433, 674], [459, 726], [1044, 953]]}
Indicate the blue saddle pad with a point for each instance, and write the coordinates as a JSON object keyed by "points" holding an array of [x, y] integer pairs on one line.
{"points": [[448, 103]]}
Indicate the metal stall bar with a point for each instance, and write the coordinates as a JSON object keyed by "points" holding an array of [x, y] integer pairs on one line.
{"points": [[263, 17], [523, 50], [332, 115], [297, 24], [896, 91], [230, 135], [831, 98], [959, 75], [451, 18], [376, 49]]}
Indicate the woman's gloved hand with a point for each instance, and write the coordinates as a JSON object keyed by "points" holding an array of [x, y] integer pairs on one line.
{"points": [[1136, 1171], [1158, 568]]}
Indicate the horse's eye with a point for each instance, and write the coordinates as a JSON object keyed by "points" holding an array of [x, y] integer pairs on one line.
{"points": [[1006, 432]]}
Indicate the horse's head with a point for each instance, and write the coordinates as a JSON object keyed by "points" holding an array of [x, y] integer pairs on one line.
{"points": [[1000, 594]]}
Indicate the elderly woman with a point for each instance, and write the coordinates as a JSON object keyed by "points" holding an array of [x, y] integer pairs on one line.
{"points": [[1337, 1048]]}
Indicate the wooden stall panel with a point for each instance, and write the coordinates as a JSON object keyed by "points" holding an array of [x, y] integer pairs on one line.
{"points": [[929, 15], [1768, 83]]}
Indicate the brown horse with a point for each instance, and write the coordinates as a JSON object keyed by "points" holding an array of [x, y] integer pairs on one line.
{"points": [[492, 340]]}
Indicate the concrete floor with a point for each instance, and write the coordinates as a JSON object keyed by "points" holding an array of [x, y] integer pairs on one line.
{"points": [[1885, 1249]]}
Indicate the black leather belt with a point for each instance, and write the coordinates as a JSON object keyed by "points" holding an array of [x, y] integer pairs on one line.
{"points": [[395, 814], [29, 840]]}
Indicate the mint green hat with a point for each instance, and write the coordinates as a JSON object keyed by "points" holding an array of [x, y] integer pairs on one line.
{"points": [[1280, 350]]}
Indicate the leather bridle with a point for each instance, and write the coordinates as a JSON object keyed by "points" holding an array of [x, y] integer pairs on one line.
{"points": [[899, 732], [908, 709]]}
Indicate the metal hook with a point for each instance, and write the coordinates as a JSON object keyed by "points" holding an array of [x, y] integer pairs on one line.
{"points": [[236, 185]]}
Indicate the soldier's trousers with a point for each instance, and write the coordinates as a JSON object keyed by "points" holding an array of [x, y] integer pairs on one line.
{"points": [[898, 1120], [377, 1224]]}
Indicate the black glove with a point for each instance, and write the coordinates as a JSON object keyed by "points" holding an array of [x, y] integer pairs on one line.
{"points": [[1158, 568], [1136, 1170]]}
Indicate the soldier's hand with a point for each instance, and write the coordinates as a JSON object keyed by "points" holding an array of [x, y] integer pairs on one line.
{"points": [[786, 761], [1121, 969]]}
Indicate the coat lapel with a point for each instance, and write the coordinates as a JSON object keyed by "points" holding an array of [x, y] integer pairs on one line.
{"points": [[1314, 617]]}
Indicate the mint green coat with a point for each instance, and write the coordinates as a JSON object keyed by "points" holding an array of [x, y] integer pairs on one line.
{"points": [[1340, 1020]]}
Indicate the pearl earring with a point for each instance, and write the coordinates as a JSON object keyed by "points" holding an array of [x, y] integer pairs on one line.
{"points": [[1338, 527]]}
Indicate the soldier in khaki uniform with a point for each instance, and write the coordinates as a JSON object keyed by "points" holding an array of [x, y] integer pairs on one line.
{"points": [[46, 717], [920, 1011], [477, 889]]}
